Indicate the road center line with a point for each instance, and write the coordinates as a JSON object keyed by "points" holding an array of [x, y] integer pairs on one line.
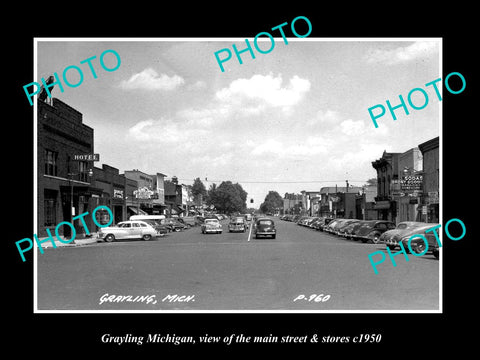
{"points": [[250, 231]]}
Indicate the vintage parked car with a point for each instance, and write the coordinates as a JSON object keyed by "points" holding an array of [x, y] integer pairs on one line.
{"points": [[342, 229], [237, 224], [173, 224], [352, 229], [127, 230], [309, 221], [211, 226], [372, 229], [417, 244], [315, 222], [265, 227], [323, 223], [157, 225], [333, 225], [391, 237], [318, 224]]}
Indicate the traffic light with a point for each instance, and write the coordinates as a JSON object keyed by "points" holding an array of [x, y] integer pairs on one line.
{"points": [[251, 201]]}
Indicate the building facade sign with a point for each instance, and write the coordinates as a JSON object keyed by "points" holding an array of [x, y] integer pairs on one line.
{"points": [[86, 157], [411, 182], [143, 193], [118, 194], [432, 197]]}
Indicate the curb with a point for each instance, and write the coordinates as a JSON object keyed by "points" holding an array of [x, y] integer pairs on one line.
{"points": [[77, 242]]}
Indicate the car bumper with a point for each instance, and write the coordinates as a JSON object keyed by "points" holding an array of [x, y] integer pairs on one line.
{"points": [[236, 228], [265, 233], [390, 242], [212, 230]]}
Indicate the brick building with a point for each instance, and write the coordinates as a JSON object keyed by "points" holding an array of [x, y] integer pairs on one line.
{"points": [[292, 203], [431, 181], [339, 201], [63, 183], [111, 184], [387, 174]]}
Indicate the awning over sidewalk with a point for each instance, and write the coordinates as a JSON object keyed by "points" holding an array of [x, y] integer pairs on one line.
{"points": [[179, 209], [136, 210]]}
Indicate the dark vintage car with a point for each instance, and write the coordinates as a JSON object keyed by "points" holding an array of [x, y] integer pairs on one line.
{"points": [[391, 237], [264, 227], [372, 230], [341, 229], [352, 229], [323, 223], [157, 225], [333, 226], [237, 224], [173, 224], [417, 244]]}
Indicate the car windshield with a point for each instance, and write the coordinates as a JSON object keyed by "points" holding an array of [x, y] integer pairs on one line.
{"points": [[402, 226], [211, 221], [265, 222], [366, 226]]}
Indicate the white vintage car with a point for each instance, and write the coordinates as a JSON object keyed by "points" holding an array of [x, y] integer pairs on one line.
{"points": [[127, 230], [211, 226]]}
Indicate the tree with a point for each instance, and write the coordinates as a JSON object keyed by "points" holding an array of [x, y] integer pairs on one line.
{"points": [[198, 188], [273, 201], [227, 197], [371, 182], [198, 191]]}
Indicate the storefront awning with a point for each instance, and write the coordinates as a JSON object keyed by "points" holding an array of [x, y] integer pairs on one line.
{"points": [[136, 210], [178, 209]]}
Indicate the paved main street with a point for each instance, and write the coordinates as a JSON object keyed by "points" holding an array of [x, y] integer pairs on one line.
{"points": [[228, 272]]}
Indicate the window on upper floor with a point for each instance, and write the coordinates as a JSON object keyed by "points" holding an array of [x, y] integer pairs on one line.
{"points": [[51, 158]]}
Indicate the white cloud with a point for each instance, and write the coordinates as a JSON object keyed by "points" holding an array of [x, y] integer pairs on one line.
{"points": [[358, 157], [264, 90], [137, 131], [165, 131], [328, 117], [309, 147], [198, 85], [352, 127], [215, 160], [402, 54], [149, 79]]}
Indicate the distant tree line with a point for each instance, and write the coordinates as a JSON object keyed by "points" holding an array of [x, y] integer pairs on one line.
{"points": [[227, 197]]}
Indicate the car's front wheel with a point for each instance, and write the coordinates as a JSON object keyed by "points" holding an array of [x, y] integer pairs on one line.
{"points": [[147, 237], [110, 238], [419, 247]]}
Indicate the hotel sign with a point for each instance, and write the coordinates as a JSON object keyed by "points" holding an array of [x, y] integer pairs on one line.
{"points": [[86, 157]]}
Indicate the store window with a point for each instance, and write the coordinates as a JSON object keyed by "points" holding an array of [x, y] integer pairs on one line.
{"points": [[50, 208]]}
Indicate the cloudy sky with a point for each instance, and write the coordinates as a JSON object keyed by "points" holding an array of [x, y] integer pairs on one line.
{"points": [[290, 120]]}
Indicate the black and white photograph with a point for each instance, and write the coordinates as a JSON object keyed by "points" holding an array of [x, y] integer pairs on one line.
{"points": [[228, 180], [180, 175]]}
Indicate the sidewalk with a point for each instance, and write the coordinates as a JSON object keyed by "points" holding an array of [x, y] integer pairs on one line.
{"points": [[79, 240]]}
